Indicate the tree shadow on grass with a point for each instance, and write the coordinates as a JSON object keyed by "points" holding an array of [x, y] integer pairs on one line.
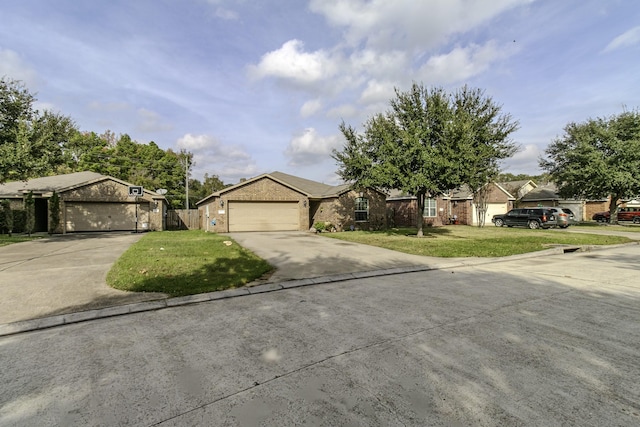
{"points": [[224, 273]]}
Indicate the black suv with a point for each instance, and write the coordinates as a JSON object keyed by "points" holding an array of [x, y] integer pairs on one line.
{"points": [[526, 217]]}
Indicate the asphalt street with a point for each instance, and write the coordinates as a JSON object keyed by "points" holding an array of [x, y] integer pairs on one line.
{"points": [[539, 341]]}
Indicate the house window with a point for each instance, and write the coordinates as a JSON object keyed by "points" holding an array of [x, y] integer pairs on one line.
{"points": [[362, 209], [430, 207]]}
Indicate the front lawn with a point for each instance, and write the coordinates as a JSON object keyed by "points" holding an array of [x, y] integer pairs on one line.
{"points": [[6, 240], [466, 241], [625, 226], [184, 263]]}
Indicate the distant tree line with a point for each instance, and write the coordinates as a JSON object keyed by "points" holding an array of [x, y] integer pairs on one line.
{"points": [[35, 144]]}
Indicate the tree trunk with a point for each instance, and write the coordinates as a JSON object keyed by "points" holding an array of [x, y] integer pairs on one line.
{"points": [[420, 211], [480, 197], [613, 209]]}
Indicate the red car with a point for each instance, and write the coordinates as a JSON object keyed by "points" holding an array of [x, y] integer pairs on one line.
{"points": [[624, 214]]}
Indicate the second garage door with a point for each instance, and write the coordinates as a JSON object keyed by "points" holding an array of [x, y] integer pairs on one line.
{"points": [[87, 216], [264, 216]]}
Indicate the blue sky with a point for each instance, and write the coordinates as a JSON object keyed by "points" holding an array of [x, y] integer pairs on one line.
{"points": [[254, 86]]}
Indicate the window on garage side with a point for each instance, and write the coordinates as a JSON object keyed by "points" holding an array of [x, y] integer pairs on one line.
{"points": [[362, 209], [430, 207]]}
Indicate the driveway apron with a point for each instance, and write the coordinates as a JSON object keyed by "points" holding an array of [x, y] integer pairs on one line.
{"points": [[300, 255], [62, 274]]}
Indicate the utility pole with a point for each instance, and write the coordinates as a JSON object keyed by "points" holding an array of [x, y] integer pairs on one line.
{"points": [[186, 179]]}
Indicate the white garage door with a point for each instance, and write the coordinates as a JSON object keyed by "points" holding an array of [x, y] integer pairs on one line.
{"points": [[87, 216], [263, 216], [492, 209]]}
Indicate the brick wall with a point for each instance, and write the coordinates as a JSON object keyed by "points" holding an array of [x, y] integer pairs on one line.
{"points": [[340, 211], [402, 212], [592, 207]]}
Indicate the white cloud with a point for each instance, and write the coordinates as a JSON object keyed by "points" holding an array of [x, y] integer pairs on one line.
{"points": [[408, 24], [627, 39], [461, 63], [525, 160], [377, 92], [13, 66], [310, 148], [229, 162], [290, 62], [380, 64], [310, 107], [385, 45]]}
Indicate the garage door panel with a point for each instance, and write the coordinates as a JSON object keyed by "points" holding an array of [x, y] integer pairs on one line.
{"points": [[87, 216], [263, 216], [492, 209]]}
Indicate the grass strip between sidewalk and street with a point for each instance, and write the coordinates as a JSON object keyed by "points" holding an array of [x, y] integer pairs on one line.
{"points": [[467, 241], [182, 263]]}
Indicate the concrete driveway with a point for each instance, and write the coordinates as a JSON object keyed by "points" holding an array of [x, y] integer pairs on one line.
{"points": [[62, 274], [300, 255]]}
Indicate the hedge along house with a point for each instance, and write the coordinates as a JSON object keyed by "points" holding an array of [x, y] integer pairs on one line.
{"points": [[89, 201], [282, 202]]}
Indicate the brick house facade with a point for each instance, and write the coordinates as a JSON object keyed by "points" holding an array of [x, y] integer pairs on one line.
{"points": [[279, 201], [457, 207], [89, 201]]}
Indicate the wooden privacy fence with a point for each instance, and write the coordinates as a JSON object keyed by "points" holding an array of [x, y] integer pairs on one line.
{"points": [[183, 219]]}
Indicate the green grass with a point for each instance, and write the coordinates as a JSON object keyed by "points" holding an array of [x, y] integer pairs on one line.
{"points": [[465, 241], [6, 240], [626, 227], [185, 263]]}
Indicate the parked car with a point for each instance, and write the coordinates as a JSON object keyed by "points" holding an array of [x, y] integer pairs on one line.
{"points": [[572, 217], [526, 217], [624, 214], [564, 216], [601, 216]]}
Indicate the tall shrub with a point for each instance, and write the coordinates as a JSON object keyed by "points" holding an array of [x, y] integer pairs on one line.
{"points": [[7, 217], [54, 212], [30, 210]]}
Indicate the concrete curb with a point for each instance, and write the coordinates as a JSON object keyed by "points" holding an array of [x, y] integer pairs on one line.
{"points": [[83, 316]]}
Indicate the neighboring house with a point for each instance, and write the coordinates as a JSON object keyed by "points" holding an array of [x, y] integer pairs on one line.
{"points": [[89, 201], [635, 203], [458, 206], [519, 188], [499, 201], [547, 195], [280, 202]]}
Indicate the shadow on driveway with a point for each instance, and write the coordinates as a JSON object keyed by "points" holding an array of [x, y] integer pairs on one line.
{"points": [[62, 274]]}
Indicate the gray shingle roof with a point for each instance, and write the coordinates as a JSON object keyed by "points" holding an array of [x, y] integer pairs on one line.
{"points": [[312, 189], [49, 183], [59, 183]]}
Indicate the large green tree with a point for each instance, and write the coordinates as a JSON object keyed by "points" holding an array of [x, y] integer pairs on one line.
{"points": [[598, 158], [31, 143], [199, 190], [16, 109], [428, 142], [36, 144]]}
